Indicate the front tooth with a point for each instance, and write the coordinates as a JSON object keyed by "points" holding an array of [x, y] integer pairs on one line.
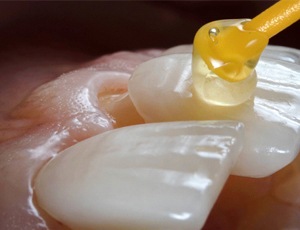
{"points": [[155, 176], [161, 90]]}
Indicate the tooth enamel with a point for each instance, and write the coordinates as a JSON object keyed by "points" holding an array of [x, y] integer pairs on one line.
{"points": [[154, 176], [272, 118]]}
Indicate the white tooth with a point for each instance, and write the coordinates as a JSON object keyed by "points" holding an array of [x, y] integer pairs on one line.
{"points": [[161, 90], [154, 176]]}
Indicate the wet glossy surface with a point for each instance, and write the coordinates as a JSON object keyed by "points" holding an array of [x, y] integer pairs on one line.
{"points": [[89, 28], [51, 118], [152, 176], [231, 61], [271, 117], [263, 194]]}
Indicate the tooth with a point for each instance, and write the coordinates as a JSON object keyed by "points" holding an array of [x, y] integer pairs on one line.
{"points": [[271, 118], [154, 176]]}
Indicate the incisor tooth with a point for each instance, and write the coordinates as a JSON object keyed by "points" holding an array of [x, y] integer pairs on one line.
{"points": [[156, 176], [271, 117]]}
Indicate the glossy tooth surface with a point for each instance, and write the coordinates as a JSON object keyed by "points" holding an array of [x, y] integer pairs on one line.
{"points": [[271, 117], [155, 176], [36, 125]]}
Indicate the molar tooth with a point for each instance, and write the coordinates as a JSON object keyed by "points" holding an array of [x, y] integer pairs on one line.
{"points": [[154, 176]]}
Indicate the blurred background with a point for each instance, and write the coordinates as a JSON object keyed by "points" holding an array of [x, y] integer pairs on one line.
{"points": [[100, 27]]}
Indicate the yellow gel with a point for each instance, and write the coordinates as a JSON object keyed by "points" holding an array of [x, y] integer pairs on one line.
{"points": [[208, 86], [228, 51]]}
